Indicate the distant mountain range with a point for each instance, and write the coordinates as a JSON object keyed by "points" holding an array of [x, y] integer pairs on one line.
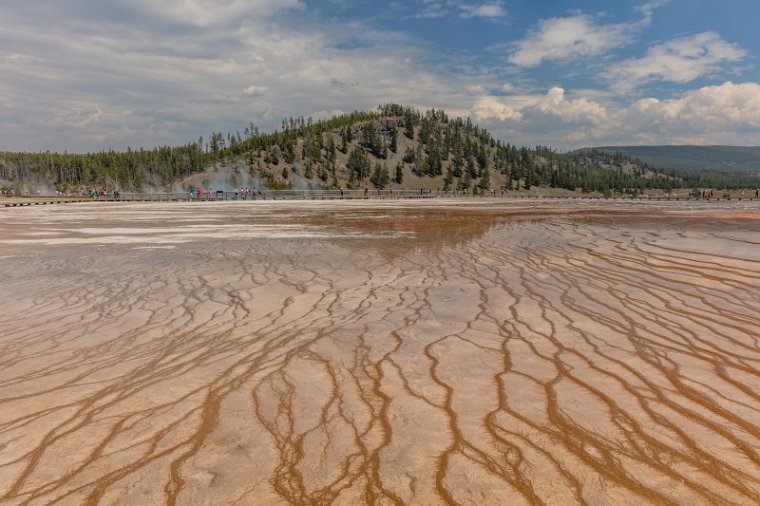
{"points": [[715, 158]]}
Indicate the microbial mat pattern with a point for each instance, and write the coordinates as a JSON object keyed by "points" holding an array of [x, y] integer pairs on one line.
{"points": [[554, 352]]}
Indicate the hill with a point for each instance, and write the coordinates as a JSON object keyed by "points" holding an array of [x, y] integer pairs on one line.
{"points": [[393, 146], [714, 158]]}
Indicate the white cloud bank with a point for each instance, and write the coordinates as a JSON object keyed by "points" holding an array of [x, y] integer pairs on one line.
{"points": [[161, 81], [680, 60], [568, 38], [728, 113], [205, 13], [138, 77], [441, 8], [705, 110], [572, 37], [486, 10]]}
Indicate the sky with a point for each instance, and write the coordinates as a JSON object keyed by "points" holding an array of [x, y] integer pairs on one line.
{"points": [[89, 75]]}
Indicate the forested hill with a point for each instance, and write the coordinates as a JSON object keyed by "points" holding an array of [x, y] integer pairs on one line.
{"points": [[393, 146], [713, 158]]}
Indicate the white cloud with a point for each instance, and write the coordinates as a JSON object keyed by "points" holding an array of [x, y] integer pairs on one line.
{"points": [[210, 12], [648, 8], [705, 110], [486, 10], [494, 108], [579, 110], [157, 85], [724, 114], [78, 117], [253, 90], [432, 10], [553, 105], [78, 83], [569, 37], [579, 35], [477, 89], [681, 60], [439, 9]]}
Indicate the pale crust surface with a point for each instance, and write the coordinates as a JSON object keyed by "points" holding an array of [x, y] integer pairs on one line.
{"points": [[438, 352]]}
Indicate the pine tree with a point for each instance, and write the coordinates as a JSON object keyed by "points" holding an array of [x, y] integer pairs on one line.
{"points": [[351, 180], [409, 127], [358, 163], [410, 156], [394, 140], [380, 176], [399, 174], [485, 180], [471, 170], [464, 183], [448, 180], [376, 175], [330, 147], [458, 163], [385, 176]]}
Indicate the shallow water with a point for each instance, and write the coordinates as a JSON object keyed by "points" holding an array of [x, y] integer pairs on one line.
{"points": [[433, 352]]}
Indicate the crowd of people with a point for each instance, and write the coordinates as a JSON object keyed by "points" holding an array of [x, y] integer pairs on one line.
{"points": [[206, 193], [710, 194]]}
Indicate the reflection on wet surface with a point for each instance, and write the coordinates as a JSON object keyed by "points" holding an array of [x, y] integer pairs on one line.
{"points": [[381, 353]]}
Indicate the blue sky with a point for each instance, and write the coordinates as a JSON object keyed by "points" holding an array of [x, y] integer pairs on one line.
{"points": [[86, 75]]}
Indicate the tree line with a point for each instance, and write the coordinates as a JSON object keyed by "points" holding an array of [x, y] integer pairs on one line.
{"points": [[355, 150]]}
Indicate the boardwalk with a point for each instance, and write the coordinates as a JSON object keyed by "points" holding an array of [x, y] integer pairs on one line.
{"points": [[221, 196], [277, 195]]}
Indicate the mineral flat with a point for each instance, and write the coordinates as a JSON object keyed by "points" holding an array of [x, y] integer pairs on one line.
{"points": [[378, 352]]}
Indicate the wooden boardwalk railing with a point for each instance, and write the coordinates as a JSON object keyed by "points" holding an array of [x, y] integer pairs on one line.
{"points": [[206, 196], [272, 195]]}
